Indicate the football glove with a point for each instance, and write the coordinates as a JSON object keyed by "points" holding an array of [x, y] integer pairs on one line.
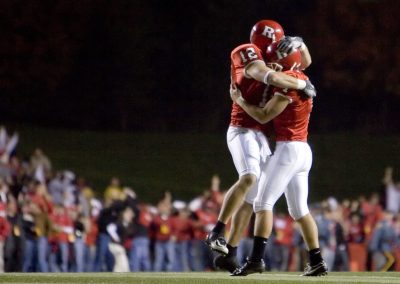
{"points": [[310, 90], [289, 43]]}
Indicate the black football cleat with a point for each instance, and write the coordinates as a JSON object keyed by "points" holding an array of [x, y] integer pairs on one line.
{"points": [[250, 267], [319, 269], [228, 263], [217, 243]]}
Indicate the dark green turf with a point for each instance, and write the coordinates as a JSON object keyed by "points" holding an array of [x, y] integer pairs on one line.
{"points": [[345, 165]]}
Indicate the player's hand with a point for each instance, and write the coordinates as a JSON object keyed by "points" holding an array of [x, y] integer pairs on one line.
{"points": [[235, 93], [310, 90], [290, 43]]}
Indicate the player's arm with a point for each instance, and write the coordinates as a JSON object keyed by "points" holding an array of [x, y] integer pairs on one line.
{"points": [[259, 71], [305, 56], [263, 115]]}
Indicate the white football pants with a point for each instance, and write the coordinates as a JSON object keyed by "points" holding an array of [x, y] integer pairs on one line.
{"points": [[250, 152], [286, 172]]}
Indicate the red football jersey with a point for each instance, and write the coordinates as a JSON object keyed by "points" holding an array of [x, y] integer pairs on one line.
{"points": [[292, 123], [254, 92]]}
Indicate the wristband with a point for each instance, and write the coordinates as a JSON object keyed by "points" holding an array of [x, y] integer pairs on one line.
{"points": [[301, 84], [265, 79]]}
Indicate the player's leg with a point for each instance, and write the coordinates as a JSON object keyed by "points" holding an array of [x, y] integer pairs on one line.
{"points": [[235, 196], [245, 151], [272, 185], [296, 197], [241, 218], [240, 221]]}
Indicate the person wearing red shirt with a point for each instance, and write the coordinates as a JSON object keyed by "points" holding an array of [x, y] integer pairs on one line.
{"points": [[139, 255], [182, 231], [162, 232], [283, 226], [287, 171], [90, 242], [246, 138], [355, 230], [63, 234], [4, 232], [204, 218]]}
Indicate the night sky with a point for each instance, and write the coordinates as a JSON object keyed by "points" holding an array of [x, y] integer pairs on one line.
{"points": [[163, 66]]}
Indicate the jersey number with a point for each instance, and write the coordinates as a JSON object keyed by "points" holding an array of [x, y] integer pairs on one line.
{"points": [[248, 55]]}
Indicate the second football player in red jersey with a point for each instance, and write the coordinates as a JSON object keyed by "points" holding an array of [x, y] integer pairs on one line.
{"points": [[288, 169], [246, 140]]}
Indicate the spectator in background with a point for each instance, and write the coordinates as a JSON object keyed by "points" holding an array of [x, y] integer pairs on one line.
{"points": [[327, 237], [14, 244], [355, 229], [205, 219], [283, 226], [383, 243], [392, 192], [120, 231], [63, 227], [39, 159], [28, 226], [113, 190], [139, 255], [56, 188], [3, 191], [397, 230], [7, 145], [355, 207], [215, 190], [77, 238], [36, 216], [92, 231], [164, 253], [81, 194], [341, 262], [104, 260], [300, 253], [4, 232], [69, 189], [372, 213], [43, 208], [182, 231]]}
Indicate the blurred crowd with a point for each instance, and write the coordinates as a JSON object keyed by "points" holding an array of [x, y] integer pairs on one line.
{"points": [[53, 221]]}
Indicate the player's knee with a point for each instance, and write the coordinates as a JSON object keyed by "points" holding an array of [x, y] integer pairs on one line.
{"points": [[299, 212], [247, 181], [262, 206]]}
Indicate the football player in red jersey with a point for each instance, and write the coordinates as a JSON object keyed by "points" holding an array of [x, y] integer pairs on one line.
{"points": [[288, 169], [246, 140]]}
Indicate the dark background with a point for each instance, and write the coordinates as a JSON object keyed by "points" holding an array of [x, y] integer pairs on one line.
{"points": [[155, 76], [164, 65]]}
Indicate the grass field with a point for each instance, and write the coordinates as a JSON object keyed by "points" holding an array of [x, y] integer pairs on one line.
{"points": [[194, 278]]}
